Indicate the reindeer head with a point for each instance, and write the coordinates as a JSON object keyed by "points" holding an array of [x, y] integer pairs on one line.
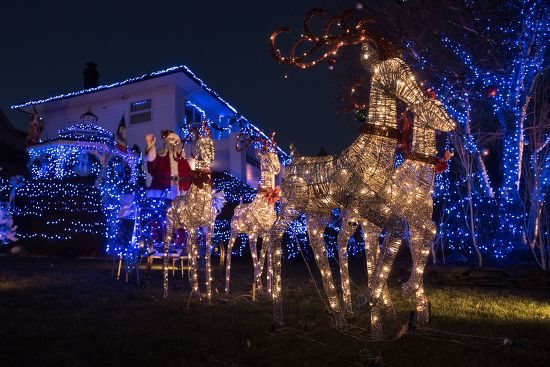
{"points": [[369, 56], [434, 115], [266, 151], [269, 160]]}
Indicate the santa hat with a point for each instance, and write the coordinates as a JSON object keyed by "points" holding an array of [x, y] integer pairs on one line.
{"points": [[165, 133]]}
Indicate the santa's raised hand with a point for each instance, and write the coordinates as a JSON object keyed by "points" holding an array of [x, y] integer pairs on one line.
{"points": [[150, 141]]}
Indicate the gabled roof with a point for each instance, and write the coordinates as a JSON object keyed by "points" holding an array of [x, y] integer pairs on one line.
{"points": [[155, 74]]}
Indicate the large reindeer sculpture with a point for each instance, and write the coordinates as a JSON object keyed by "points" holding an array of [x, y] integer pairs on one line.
{"points": [[257, 217], [360, 180], [410, 196], [195, 210]]}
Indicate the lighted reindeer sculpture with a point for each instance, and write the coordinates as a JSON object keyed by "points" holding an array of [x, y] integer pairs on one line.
{"points": [[193, 211], [361, 180], [257, 217]]}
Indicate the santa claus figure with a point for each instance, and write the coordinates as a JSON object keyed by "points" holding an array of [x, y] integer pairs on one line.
{"points": [[168, 167]]}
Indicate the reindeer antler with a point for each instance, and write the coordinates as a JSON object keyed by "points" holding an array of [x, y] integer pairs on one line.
{"points": [[268, 144], [350, 33], [244, 140]]}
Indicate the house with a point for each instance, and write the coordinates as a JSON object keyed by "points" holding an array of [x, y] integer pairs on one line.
{"points": [[172, 98]]}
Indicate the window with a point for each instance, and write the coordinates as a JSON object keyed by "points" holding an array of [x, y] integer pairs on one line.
{"points": [[140, 111], [193, 113]]}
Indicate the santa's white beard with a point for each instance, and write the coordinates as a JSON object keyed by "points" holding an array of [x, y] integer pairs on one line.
{"points": [[174, 184]]}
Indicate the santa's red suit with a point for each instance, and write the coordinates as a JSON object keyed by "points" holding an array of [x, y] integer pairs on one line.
{"points": [[169, 171]]}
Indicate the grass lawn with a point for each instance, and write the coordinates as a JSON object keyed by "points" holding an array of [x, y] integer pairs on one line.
{"points": [[70, 312]]}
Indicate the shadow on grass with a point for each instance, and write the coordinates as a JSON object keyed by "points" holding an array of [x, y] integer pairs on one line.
{"points": [[69, 312]]}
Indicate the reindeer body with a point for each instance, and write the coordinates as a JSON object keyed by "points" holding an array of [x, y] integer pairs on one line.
{"points": [[193, 211], [360, 181], [256, 218], [315, 185]]}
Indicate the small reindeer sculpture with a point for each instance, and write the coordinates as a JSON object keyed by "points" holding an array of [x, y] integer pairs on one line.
{"points": [[193, 211], [361, 180], [257, 217]]}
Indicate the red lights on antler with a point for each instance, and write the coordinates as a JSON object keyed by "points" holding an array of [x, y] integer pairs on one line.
{"points": [[348, 33], [269, 144], [354, 103], [265, 145], [205, 130]]}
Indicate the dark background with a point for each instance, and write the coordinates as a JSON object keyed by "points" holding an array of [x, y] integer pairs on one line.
{"points": [[45, 44]]}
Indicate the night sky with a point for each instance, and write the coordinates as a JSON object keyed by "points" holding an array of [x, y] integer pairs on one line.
{"points": [[45, 47]]}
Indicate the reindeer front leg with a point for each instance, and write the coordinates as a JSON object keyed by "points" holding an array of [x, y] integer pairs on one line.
{"points": [[193, 253], [252, 243], [261, 262], [316, 230], [343, 238], [286, 217], [208, 265], [228, 260], [380, 277], [269, 275]]}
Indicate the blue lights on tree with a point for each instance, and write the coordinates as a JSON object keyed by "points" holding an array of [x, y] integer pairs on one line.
{"points": [[501, 55]]}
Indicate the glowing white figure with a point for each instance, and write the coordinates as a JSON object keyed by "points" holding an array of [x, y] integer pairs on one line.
{"points": [[362, 182], [257, 217], [193, 211]]}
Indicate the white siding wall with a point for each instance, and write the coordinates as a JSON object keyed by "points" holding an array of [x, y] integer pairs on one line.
{"points": [[227, 158], [168, 109], [109, 112]]}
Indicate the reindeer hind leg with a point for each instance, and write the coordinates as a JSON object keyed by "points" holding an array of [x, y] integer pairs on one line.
{"points": [[228, 260]]}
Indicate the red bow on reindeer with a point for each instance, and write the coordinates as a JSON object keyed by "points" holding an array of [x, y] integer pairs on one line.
{"points": [[200, 178], [441, 164], [272, 195], [406, 131]]}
